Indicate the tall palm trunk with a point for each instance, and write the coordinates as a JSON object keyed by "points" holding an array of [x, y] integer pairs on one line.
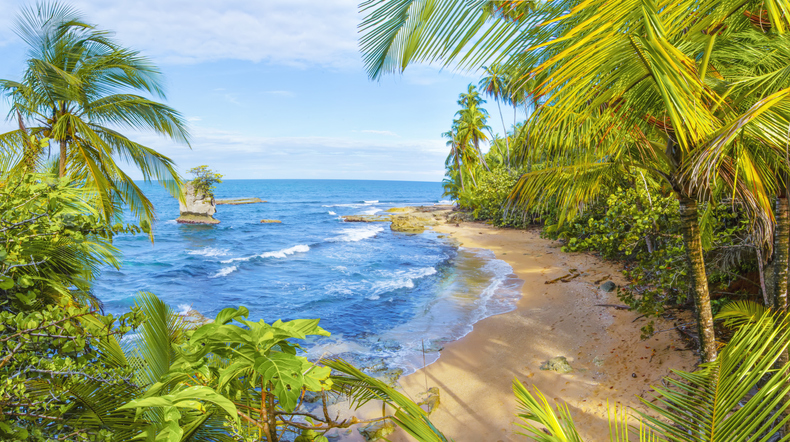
{"points": [[62, 159], [458, 166], [479, 152], [699, 280], [507, 141], [781, 249]]}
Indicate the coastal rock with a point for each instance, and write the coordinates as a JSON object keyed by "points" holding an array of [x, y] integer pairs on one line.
{"points": [[377, 430], [457, 217], [559, 364], [430, 401], [196, 209], [391, 376], [608, 286], [271, 221], [412, 223], [239, 201], [366, 218], [400, 210]]}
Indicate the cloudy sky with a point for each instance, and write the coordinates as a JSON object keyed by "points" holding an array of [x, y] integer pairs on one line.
{"points": [[275, 88]]}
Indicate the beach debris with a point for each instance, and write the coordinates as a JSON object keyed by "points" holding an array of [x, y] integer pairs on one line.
{"points": [[566, 278], [430, 400], [598, 361], [608, 286], [559, 364], [602, 279], [616, 306], [196, 209], [271, 221], [377, 430], [239, 201]]}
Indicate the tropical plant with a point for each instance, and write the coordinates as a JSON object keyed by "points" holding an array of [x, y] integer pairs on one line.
{"points": [[79, 86], [246, 381], [495, 85], [621, 86], [204, 181]]}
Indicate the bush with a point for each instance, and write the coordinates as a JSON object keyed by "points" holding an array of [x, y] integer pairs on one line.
{"points": [[204, 181]]}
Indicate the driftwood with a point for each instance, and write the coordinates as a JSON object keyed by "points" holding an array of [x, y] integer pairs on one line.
{"points": [[617, 306], [566, 278], [602, 279]]}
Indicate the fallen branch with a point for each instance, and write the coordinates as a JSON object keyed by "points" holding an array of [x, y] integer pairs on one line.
{"points": [[617, 306]]}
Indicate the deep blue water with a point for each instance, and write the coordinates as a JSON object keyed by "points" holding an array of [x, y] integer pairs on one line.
{"points": [[380, 293]]}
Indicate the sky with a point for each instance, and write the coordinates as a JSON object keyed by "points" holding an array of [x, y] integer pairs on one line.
{"points": [[275, 89]]}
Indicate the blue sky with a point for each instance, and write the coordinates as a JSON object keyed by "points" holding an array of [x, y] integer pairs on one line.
{"points": [[276, 88]]}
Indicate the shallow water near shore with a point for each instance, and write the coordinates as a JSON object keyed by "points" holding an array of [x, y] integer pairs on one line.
{"points": [[384, 296]]}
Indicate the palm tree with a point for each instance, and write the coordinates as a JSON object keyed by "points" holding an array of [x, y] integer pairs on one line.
{"points": [[625, 78], [472, 121], [494, 83], [77, 90]]}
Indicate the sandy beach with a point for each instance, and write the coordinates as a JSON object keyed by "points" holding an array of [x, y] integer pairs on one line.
{"points": [[602, 344]]}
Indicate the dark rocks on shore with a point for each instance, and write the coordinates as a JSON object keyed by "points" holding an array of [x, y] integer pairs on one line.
{"points": [[559, 364], [377, 430], [608, 286]]}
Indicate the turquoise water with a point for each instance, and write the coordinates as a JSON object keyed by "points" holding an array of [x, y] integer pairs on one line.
{"points": [[380, 293]]}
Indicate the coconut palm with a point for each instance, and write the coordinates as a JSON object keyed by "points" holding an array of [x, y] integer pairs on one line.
{"points": [[78, 91], [471, 121], [625, 77], [494, 84]]}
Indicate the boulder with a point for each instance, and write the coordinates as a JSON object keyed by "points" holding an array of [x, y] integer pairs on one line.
{"points": [[430, 400], [196, 209], [271, 221], [559, 364], [377, 430], [412, 223], [608, 286]]}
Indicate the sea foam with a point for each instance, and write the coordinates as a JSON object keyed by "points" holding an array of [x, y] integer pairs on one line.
{"points": [[208, 251], [301, 248], [355, 234], [225, 271]]}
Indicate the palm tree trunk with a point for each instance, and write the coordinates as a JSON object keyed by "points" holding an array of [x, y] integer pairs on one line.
{"points": [[507, 142], [699, 281], [458, 166], [479, 152], [62, 159], [782, 251]]}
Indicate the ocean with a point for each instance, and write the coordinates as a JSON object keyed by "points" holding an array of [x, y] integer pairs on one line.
{"points": [[389, 299]]}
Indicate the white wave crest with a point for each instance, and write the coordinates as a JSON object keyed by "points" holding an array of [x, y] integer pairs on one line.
{"points": [[401, 279], [371, 202], [209, 251], [225, 271], [332, 213], [301, 248], [444, 202], [355, 234]]}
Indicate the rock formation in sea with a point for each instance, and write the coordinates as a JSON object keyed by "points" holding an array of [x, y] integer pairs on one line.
{"points": [[196, 209]]}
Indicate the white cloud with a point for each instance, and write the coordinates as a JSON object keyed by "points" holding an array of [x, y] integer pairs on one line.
{"points": [[291, 32], [380, 132], [246, 156]]}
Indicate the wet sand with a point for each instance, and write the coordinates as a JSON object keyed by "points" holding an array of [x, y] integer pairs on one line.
{"points": [[602, 344]]}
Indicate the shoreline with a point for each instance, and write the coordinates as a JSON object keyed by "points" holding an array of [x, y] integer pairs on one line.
{"points": [[475, 373]]}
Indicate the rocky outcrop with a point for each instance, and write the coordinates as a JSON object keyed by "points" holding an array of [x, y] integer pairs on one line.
{"points": [[239, 201], [377, 430], [271, 221], [559, 364], [196, 209], [367, 218], [413, 222]]}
